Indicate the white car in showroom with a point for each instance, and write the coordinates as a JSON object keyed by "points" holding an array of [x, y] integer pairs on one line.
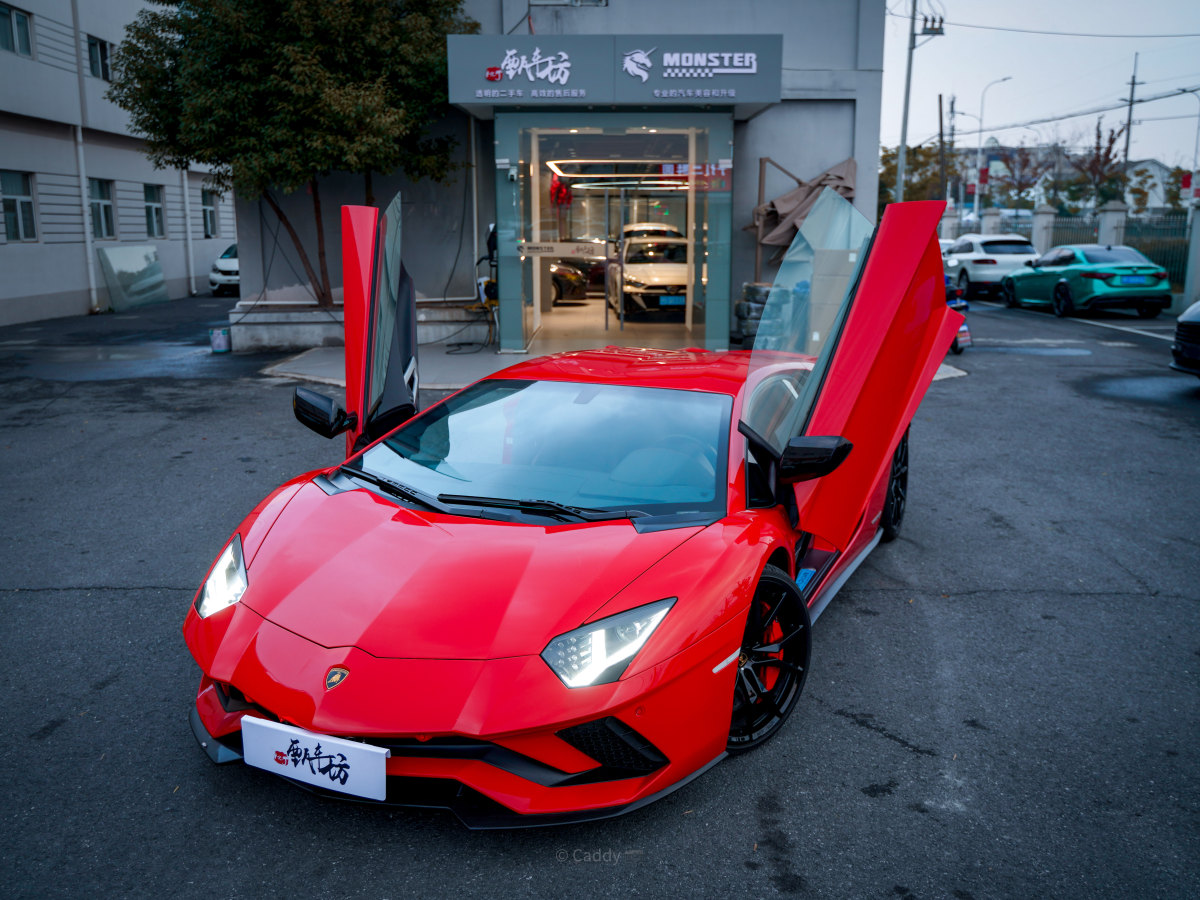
{"points": [[224, 275], [978, 262], [656, 274]]}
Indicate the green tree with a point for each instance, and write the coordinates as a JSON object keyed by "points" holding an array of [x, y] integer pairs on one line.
{"points": [[922, 180], [274, 94]]}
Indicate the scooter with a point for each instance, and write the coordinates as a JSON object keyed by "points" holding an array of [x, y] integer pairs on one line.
{"points": [[956, 299]]}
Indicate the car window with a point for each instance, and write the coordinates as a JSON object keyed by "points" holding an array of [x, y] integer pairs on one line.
{"points": [[1114, 255], [806, 308], [656, 253], [230, 253], [1002, 248], [1064, 257], [593, 445], [961, 247]]}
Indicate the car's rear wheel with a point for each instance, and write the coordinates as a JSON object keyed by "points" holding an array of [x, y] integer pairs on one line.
{"points": [[897, 492], [1064, 305], [955, 348], [773, 661], [1148, 310], [555, 293], [1008, 291], [964, 282]]}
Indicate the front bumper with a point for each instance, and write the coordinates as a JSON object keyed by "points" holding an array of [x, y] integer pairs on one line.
{"points": [[474, 809], [500, 743], [224, 279]]}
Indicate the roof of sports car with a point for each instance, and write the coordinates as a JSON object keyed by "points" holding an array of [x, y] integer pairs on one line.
{"points": [[691, 369]]}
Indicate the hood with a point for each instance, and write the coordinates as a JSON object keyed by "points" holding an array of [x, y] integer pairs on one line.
{"points": [[355, 570], [229, 266], [657, 273]]}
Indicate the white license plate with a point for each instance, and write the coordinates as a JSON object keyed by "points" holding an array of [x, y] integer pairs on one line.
{"points": [[316, 759]]}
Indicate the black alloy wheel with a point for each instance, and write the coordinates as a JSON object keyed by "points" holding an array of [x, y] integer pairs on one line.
{"points": [[773, 661], [897, 492], [1148, 310], [1009, 292], [955, 348], [1063, 304]]}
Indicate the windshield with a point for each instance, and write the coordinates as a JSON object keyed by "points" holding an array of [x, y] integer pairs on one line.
{"points": [[1114, 255], [231, 253], [1001, 248], [657, 252], [598, 446]]}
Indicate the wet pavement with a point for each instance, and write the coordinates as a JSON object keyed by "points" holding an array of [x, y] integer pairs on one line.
{"points": [[1003, 703]]}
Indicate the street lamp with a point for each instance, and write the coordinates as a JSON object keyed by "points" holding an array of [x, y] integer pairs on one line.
{"points": [[979, 148]]}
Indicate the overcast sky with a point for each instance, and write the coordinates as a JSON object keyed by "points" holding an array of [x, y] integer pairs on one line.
{"points": [[1051, 75]]}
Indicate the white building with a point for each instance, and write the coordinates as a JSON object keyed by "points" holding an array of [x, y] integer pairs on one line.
{"points": [[73, 180]]}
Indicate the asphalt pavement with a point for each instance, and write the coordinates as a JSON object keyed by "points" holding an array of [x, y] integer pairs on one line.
{"points": [[1004, 703]]}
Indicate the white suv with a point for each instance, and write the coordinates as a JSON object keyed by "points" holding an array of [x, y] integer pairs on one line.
{"points": [[977, 262]]}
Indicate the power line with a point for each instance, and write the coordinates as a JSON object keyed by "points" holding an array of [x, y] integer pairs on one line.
{"points": [[1086, 112], [1056, 33]]}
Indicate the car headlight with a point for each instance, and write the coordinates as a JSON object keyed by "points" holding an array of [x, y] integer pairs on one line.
{"points": [[629, 282], [226, 583], [215, 270], [600, 653]]}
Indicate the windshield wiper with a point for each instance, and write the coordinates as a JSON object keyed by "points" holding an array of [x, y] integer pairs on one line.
{"points": [[546, 507], [395, 488]]}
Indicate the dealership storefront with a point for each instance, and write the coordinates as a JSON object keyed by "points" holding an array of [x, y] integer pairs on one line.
{"points": [[593, 134]]}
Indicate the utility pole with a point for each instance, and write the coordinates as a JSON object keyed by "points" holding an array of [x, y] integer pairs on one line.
{"points": [[901, 152], [941, 149], [1133, 82], [933, 28]]}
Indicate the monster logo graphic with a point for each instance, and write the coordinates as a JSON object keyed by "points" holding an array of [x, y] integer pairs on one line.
{"points": [[637, 63]]}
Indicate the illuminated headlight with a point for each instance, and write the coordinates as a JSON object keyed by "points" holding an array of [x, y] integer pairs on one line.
{"points": [[600, 653], [226, 583]]}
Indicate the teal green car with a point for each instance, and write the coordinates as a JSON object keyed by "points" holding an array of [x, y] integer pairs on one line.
{"points": [[1077, 277]]}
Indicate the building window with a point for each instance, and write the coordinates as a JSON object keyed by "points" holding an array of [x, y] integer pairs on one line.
{"points": [[208, 205], [16, 192], [154, 210], [100, 194], [98, 57], [15, 30]]}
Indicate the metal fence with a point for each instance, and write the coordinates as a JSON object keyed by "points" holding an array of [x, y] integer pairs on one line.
{"points": [[1163, 240], [1074, 230]]}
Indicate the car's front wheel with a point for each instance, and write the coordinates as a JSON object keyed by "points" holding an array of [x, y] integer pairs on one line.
{"points": [[1064, 304], [964, 282], [1009, 292], [897, 492], [773, 661]]}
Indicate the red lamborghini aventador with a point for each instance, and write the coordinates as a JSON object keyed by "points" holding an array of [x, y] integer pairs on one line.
{"points": [[575, 585]]}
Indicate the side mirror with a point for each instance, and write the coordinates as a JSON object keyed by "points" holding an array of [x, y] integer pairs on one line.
{"points": [[806, 458], [320, 413]]}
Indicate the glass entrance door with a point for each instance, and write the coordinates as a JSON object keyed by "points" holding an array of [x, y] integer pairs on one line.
{"points": [[640, 200]]}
